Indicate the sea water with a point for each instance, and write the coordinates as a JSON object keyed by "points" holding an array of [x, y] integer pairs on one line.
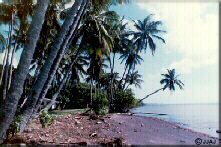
{"points": [[198, 117]]}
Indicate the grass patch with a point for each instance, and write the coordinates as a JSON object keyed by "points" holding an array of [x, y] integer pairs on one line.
{"points": [[68, 111]]}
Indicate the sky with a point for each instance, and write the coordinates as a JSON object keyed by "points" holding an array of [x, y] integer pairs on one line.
{"points": [[191, 48]]}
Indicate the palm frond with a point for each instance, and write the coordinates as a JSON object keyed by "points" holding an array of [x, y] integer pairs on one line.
{"points": [[160, 38]]}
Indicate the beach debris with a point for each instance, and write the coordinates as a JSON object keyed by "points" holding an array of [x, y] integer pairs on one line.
{"points": [[77, 117], [99, 122], [131, 113], [93, 116], [218, 131], [142, 125], [28, 130], [182, 141], [77, 122], [118, 141], [93, 134]]}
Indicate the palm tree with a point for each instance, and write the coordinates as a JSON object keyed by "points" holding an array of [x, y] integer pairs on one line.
{"points": [[15, 15], [146, 31], [131, 58], [169, 81], [57, 51], [74, 70], [97, 39], [134, 78], [9, 106]]}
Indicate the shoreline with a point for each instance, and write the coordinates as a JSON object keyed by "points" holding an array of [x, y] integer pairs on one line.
{"points": [[179, 124], [114, 128], [155, 131]]}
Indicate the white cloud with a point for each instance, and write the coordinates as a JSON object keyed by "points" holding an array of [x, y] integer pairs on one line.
{"points": [[192, 30]]}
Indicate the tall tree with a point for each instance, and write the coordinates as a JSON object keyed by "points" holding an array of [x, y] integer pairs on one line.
{"points": [[131, 58], [134, 78], [146, 31], [57, 50], [8, 108]]}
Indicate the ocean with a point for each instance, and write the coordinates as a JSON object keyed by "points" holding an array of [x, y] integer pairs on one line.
{"points": [[198, 117]]}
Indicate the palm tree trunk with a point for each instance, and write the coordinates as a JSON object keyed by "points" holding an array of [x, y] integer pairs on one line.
{"points": [[5, 76], [91, 88], [2, 75], [57, 51], [3, 66], [5, 84], [12, 56], [45, 92], [57, 61], [11, 65], [123, 75], [127, 87], [125, 82], [112, 94], [53, 100], [149, 95], [9, 107]]}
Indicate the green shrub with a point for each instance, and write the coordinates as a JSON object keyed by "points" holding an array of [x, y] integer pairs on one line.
{"points": [[76, 96], [123, 101], [15, 125], [45, 118], [100, 103]]}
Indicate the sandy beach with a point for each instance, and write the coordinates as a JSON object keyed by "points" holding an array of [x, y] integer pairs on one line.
{"points": [[117, 129]]}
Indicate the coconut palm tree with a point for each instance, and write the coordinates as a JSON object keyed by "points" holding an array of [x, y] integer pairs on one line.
{"points": [[75, 69], [57, 50], [9, 106], [15, 16], [170, 80], [131, 58], [134, 79], [146, 31]]}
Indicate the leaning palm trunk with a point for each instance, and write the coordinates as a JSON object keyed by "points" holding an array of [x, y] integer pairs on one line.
{"points": [[3, 66], [43, 94], [150, 95], [60, 56], [60, 42], [121, 80], [127, 87], [5, 83], [11, 65], [5, 76], [12, 56], [126, 78], [1, 79], [53, 100], [9, 107]]}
